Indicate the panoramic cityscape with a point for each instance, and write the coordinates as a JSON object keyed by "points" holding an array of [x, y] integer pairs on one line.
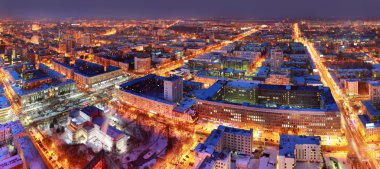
{"points": [[85, 88]]}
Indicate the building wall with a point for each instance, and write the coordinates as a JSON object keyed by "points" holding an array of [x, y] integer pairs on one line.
{"points": [[142, 64], [238, 142], [223, 164], [173, 90], [299, 121], [374, 93], [90, 81], [293, 98], [308, 153], [284, 162], [5, 114], [369, 134], [5, 134], [146, 103], [40, 95], [277, 80], [276, 59], [66, 71]]}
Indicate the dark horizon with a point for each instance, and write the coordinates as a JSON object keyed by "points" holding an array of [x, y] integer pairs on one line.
{"points": [[170, 9]]}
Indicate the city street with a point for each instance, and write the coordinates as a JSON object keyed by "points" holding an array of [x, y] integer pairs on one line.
{"points": [[358, 145]]}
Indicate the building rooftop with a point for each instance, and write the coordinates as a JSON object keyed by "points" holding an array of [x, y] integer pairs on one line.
{"points": [[88, 69], [368, 104], [150, 86], [216, 136], [30, 154], [236, 131], [4, 102], [288, 143]]}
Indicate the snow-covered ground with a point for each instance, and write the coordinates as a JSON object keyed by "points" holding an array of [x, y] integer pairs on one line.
{"points": [[268, 162], [157, 144]]}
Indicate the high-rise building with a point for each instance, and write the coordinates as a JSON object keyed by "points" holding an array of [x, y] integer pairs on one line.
{"points": [[173, 89], [276, 59]]}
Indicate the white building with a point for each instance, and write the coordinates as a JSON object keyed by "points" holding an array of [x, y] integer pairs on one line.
{"points": [[297, 149], [89, 126], [173, 89], [216, 151], [156, 94]]}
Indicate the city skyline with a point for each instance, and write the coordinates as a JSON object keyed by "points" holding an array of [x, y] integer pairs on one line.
{"points": [[170, 9], [273, 84]]}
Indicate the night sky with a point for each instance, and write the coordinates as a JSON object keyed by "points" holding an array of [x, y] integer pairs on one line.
{"points": [[152, 9]]}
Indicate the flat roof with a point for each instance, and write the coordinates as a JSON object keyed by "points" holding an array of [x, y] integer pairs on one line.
{"points": [[153, 95], [89, 70]]}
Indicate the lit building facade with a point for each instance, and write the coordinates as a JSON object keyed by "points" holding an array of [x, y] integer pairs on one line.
{"points": [[89, 126], [110, 62], [276, 59], [153, 94], [308, 110], [142, 64], [215, 152], [173, 89], [277, 79], [36, 84], [87, 74]]}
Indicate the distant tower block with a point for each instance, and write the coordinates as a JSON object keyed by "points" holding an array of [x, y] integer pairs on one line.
{"points": [[276, 59], [173, 89]]}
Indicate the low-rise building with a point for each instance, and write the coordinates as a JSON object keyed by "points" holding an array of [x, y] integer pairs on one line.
{"points": [[295, 149], [5, 108], [216, 151], [87, 74], [90, 126], [158, 95], [277, 108], [30, 85]]}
